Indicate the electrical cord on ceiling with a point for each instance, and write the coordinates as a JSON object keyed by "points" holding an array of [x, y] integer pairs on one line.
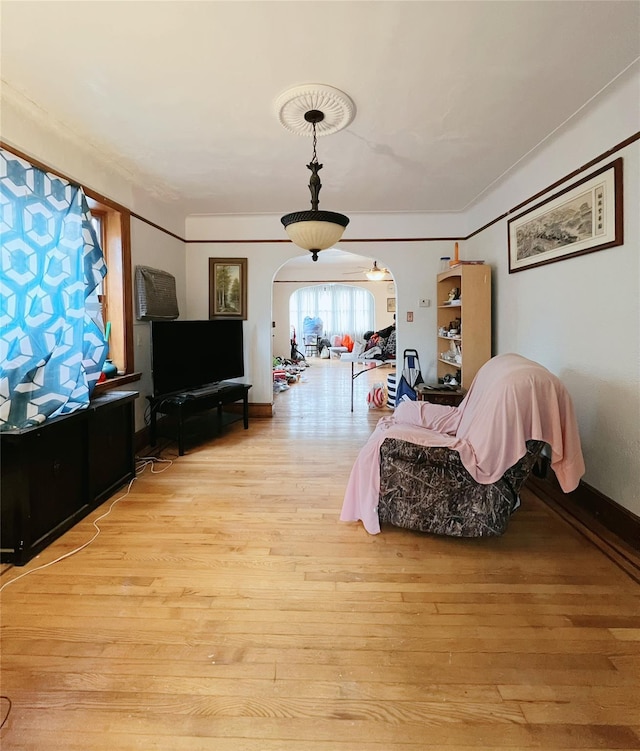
{"points": [[141, 464]]}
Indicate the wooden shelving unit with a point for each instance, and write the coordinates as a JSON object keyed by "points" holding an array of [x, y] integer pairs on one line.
{"points": [[474, 312]]}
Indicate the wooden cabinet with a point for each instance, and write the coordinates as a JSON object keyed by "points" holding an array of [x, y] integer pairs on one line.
{"points": [[470, 348], [54, 474]]}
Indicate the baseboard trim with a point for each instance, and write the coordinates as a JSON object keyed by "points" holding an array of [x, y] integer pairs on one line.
{"points": [[614, 529], [261, 410], [256, 409]]}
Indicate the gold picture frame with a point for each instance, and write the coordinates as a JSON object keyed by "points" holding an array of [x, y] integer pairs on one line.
{"points": [[228, 288]]}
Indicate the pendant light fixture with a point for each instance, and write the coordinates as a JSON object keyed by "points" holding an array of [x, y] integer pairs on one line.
{"points": [[320, 110]]}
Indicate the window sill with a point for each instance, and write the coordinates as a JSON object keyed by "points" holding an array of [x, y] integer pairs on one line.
{"points": [[116, 382]]}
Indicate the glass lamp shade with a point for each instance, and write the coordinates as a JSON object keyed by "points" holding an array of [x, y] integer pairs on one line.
{"points": [[314, 230], [375, 275]]}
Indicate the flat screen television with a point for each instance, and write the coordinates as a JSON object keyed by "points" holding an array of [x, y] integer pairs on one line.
{"points": [[189, 354]]}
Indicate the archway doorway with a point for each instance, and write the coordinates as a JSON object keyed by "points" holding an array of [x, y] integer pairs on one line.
{"points": [[335, 267], [335, 276]]}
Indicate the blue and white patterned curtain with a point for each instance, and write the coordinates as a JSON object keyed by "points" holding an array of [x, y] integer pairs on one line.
{"points": [[51, 351]]}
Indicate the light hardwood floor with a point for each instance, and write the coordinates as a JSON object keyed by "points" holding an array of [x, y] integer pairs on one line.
{"points": [[224, 607]]}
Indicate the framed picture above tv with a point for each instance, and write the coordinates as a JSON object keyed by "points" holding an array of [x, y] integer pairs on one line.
{"points": [[228, 288]]}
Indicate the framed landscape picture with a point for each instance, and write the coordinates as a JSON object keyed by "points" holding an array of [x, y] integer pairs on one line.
{"points": [[228, 288], [583, 217]]}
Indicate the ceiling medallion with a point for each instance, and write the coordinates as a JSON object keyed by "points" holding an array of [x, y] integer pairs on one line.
{"points": [[314, 110], [292, 105]]}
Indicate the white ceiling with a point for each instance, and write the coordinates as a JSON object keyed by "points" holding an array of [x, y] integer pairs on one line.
{"points": [[449, 95]]}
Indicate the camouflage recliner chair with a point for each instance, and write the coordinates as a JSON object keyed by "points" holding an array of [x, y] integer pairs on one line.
{"points": [[428, 489], [458, 470]]}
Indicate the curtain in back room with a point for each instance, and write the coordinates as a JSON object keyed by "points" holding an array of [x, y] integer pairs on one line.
{"points": [[343, 309], [51, 350]]}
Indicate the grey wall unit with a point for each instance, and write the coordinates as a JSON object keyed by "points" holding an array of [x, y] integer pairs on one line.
{"points": [[54, 474]]}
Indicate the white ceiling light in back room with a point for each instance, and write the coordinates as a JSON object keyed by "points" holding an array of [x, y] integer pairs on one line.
{"points": [[315, 110], [376, 273]]}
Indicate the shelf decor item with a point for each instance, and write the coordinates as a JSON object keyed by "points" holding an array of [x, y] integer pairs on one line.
{"points": [[228, 288], [580, 218], [109, 369], [456, 257]]}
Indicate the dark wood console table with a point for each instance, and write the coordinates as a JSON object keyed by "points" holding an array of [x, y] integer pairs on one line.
{"points": [[448, 397], [185, 404], [55, 473]]}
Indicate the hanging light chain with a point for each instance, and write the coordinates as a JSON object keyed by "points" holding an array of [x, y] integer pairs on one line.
{"points": [[315, 230], [314, 183], [315, 143]]}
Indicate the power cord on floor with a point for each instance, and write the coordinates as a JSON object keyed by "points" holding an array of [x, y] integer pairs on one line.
{"points": [[141, 464], [6, 717]]}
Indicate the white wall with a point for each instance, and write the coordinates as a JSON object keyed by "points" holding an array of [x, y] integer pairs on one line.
{"points": [[263, 260], [580, 317], [413, 264]]}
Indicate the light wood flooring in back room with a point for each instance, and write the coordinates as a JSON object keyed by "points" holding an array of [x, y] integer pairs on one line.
{"points": [[225, 607]]}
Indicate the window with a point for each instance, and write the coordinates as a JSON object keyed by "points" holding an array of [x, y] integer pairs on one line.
{"points": [[343, 309], [112, 302], [97, 301]]}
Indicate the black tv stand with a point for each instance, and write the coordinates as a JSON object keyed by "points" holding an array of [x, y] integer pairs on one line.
{"points": [[185, 404]]}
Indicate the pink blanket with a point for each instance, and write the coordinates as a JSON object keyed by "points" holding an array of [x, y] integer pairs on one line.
{"points": [[511, 400]]}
